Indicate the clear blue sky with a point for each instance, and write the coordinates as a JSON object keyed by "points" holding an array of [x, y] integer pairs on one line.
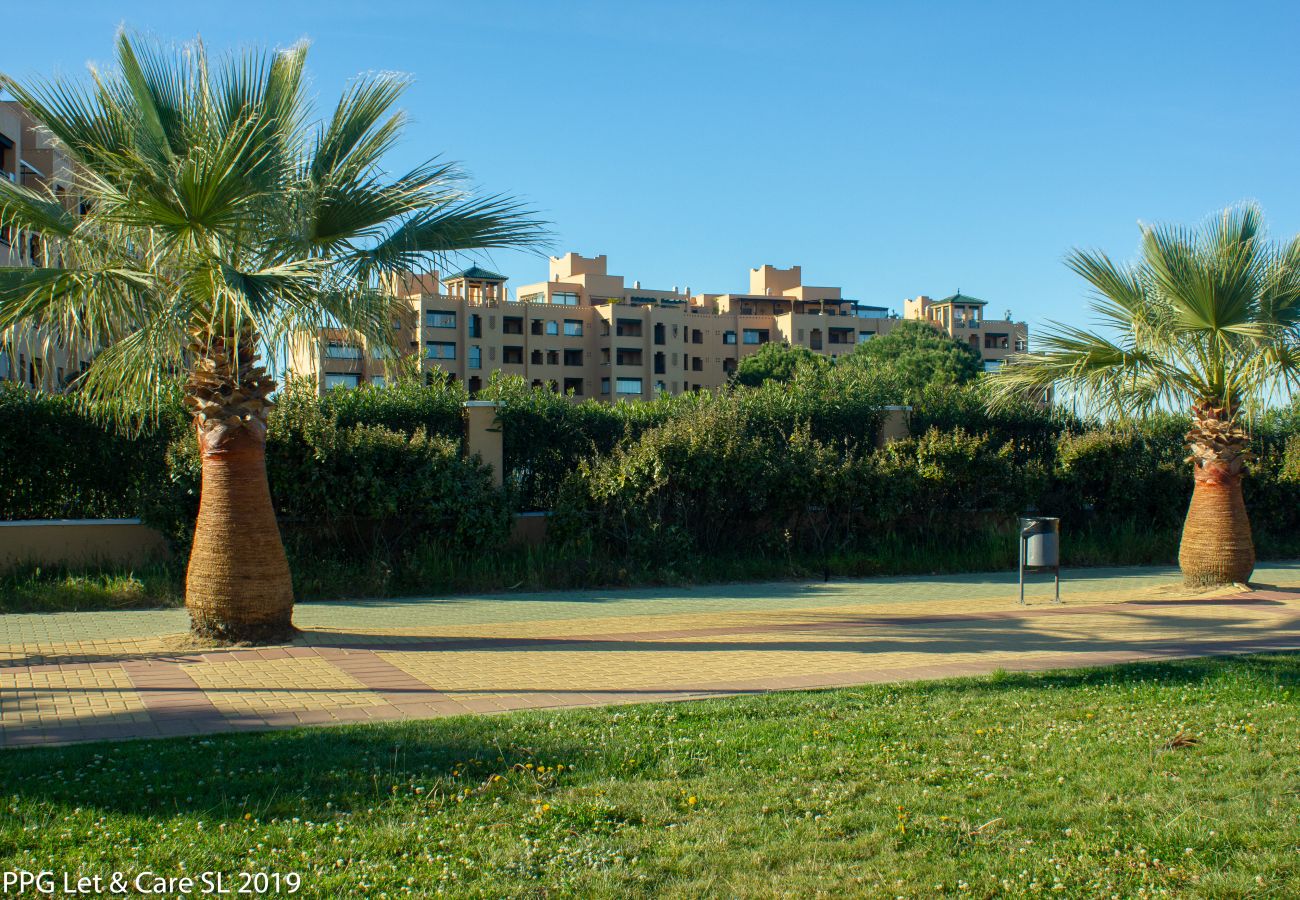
{"points": [[890, 148]]}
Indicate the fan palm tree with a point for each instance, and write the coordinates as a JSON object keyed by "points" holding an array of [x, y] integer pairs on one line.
{"points": [[212, 218], [1207, 321]]}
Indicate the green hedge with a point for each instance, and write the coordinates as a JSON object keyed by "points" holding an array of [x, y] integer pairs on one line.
{"points": [[58, 463], [784, 468], [339, 478]]}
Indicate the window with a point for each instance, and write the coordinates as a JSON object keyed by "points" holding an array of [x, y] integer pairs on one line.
{"points": [[629, 328], [755, 336], [841, 335], [475, 384], [659, 332], [1021, 345], [535, 357], [378, 353], [340, 350], [536, 326], [864, 336], [512, 325], [697, 365], [604, 385], [552, 327], [439, 350], [628, 386], [475, 326], [439, 319], [661, 388], [475, 358], [341, 381], [564, 298], [728, 337], [628, 357], [573, 386], [512, 356], [531, 298], [552, 357], [659, 363], [573, 357], [572, 328], [379, 381], [697, 336]]}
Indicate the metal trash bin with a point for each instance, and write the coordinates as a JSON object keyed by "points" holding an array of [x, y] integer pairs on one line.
{"points": [[1040, 549]]}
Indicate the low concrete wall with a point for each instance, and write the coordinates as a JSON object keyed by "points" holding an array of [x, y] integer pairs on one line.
{"points": [[54, 542]]}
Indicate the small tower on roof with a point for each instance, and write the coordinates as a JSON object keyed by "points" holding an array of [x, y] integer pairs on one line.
{"points": [[477, 285]]}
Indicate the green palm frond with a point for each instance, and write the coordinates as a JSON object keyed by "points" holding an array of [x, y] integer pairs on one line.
{"points": [[210, 202], [1204, 315]]}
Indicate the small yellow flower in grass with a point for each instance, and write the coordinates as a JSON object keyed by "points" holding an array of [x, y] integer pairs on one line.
{"points": [[546, 807], [690, 801]]}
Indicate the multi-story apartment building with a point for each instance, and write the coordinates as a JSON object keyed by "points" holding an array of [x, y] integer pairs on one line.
{"points": [[963, 318], [28, 157], [586, 332]]}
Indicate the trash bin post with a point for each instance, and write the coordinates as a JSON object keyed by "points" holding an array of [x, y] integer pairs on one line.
{"points": [[1040, 550]]}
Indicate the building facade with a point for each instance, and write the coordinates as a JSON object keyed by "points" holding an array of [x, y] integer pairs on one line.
{"points": [[28, 157], [586, 332]]}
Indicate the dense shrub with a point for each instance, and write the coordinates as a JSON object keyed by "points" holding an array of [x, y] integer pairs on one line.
{"points": [[720, 480], [431, 403], [713, 476], [1114, 475], [56, 462], [352, 484]]}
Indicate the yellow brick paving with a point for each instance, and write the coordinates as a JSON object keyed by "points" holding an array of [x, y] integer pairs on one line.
{"points": [[47, 697], [303, 683], [376, 660]]}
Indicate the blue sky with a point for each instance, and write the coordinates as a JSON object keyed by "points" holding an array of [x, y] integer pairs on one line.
{"points": [[890, 148]]}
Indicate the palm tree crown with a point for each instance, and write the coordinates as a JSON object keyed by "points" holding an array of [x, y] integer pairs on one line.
{"points": [[1206, 316], [207, 204]]}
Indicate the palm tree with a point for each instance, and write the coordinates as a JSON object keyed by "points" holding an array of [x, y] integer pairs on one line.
{"points": [[213, 219], [1208, 321]]}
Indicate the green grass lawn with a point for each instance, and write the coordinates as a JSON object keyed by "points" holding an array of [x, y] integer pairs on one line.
{"points": [[1176, 779]]}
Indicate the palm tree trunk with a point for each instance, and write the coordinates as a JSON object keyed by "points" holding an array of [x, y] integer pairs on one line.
{"points": [[1217, 548], [238, 587]]}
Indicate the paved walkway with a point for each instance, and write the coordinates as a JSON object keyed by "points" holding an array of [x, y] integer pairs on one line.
{"points": [[85, 676]]}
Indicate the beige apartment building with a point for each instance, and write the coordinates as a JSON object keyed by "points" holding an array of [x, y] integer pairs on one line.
{"points": [[586, 332], [28, 157]]}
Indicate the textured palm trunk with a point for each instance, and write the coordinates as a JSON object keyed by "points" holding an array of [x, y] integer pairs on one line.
{"points": [[1217, 548], [238, 587]]}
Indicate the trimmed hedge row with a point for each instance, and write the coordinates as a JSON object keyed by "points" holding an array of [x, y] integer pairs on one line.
{"points": [[784, 467]]}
